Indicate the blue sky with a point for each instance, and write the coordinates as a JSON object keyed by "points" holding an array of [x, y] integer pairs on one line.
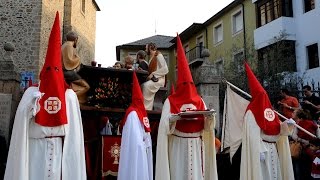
{"points": [[123, 21]]}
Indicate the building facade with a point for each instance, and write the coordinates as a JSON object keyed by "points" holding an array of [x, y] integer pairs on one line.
{"points": [[295, 23], [228, 35], [27, 24]]}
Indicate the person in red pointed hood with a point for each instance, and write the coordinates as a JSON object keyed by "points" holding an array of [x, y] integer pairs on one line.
{"points": [[136, 145], [261, 107], [181, 140], [265, 152], [47, 139], [52, 85]]}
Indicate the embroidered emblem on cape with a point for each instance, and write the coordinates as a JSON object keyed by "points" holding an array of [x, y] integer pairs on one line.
{"points": [[188, 107], [269, 114], [52, 105], [146, 122], [115, 152]]}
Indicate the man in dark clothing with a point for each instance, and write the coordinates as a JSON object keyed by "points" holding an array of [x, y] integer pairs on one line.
{"points": [[141, 60], [311, 102]]}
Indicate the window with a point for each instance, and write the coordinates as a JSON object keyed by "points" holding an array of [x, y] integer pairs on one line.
{"points": [[218, 34], [269, 10], [276, 9], [287, 8], [237, 23], [83, 6], [238, 59], [313, 56], [186, 50], [199, 46], [308, 5], [276, 58], [219, 66]]}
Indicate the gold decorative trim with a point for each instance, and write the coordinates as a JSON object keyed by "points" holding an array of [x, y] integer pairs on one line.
{"points": [[109, 173]]}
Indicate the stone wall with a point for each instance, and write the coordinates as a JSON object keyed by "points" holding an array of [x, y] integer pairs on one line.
{"points": [[84, 23], [27, 24], [48, 13], [20, 23], [9, 91]]}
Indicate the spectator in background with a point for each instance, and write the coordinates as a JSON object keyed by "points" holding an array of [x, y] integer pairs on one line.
{"points": [[311, 102], [118, 65], [314, 154], [141, 60], [303, 164], [128, 62], [288, 103], [303, 119]]}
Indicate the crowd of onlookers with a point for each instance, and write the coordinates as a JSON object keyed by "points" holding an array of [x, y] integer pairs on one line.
{"points": [[305, 149], [130, 63]]}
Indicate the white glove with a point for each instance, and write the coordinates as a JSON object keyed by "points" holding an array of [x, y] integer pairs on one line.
{"points": [[290, 121], [262, 156]]}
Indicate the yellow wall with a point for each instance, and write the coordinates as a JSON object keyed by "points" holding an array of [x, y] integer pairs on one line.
{"points": [[231, 43]]}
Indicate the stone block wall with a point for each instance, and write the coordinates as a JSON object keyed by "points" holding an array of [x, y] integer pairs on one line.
{"points": [[20, 23], [48, 13], [27, 24], [10, 91], [84, 23]]}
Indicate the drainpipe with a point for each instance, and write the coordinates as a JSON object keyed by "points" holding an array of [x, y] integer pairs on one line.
{"points": [[244, 33]]}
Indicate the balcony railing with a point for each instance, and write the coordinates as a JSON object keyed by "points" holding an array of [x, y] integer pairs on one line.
{"points": [[194, 53]]}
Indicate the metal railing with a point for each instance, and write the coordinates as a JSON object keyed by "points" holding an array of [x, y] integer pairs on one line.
{"points": [[194, 53]]}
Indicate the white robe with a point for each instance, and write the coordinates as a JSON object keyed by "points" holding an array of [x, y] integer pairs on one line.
{"points": [[34, 157], [135, 151], [185, 158], [261, 160], [150, 88]]}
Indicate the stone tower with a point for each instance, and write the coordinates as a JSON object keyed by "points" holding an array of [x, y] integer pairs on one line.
{"points": [[27, 24]]}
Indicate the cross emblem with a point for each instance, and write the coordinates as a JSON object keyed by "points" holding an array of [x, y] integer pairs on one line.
{"points": [[52, 105], [146, 122], [269, 114]]}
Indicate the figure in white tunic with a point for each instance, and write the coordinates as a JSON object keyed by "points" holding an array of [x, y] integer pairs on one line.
{"points": [[185, 148], [157, 71], [47, 137], [136, 146], [265, 153]]}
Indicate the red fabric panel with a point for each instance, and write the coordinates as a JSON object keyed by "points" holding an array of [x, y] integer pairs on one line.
{"points": [[110, 155]]}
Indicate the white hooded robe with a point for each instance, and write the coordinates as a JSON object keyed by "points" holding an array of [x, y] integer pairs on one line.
{"points": [[32, 156], [262, 160], [135, 151], [185, 156]]}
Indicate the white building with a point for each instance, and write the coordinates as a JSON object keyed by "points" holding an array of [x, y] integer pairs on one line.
{"points": [[300, 19]]}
